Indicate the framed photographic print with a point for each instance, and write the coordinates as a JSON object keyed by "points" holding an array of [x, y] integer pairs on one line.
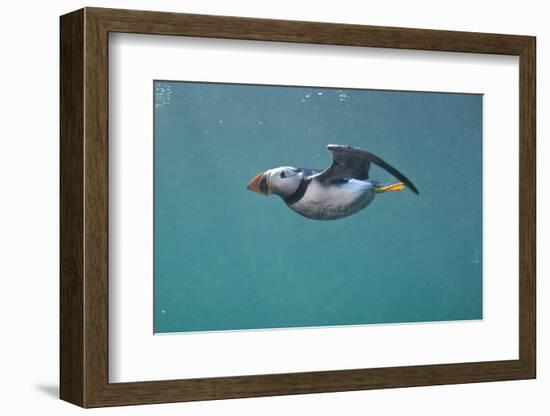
{"points": [[255, 207]]}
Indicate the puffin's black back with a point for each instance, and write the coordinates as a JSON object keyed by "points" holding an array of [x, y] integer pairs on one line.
{"points": [[352, 162]]}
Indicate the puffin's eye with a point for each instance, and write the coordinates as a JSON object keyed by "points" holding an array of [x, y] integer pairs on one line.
{"points": [[283, 175]]}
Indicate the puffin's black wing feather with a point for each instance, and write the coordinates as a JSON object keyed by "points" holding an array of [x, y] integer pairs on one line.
{"points": [[351, 162]]}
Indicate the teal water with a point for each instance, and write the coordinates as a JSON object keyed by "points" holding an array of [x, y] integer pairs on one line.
{"points": [[226, 258]]}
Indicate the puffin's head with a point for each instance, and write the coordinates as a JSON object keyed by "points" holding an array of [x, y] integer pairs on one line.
{"points": [[283, 181]]}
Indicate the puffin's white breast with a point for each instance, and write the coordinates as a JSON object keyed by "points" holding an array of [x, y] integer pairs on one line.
{"points": [[334, 201]]}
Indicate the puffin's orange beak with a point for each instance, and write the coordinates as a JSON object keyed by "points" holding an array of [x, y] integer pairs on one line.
{"points": [[259, 184]]}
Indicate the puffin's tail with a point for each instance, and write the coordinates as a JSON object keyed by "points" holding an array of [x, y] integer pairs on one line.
{"points": [[390, 169]]}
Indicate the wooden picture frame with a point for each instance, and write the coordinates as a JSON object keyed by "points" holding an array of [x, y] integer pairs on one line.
{"points": [[84, 207]]}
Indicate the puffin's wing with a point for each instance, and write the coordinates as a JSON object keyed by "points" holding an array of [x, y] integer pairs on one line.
{"points": [[351, 162]]}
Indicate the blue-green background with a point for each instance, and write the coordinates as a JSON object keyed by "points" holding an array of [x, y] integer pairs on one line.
{"points": [[227, 258]]}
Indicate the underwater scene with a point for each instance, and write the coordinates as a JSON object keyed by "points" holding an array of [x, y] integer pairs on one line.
{"points": [[289, 207]]}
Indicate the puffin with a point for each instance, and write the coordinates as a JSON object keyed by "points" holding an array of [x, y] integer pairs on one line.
{"points": [[337, 192]]}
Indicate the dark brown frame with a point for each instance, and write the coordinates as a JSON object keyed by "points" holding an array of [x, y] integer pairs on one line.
{"points": [[84, 208]]}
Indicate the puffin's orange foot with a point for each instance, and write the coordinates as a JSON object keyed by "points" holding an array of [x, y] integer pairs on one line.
{"points": [[393, 187]]}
